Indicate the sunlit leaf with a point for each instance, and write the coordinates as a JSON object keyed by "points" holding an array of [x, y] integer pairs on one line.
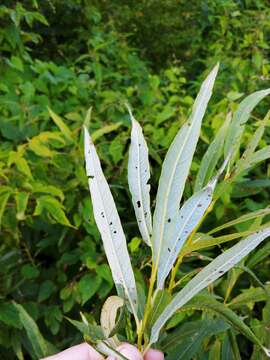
{"points": [[61, 125], [105, 130], [53, 207]]}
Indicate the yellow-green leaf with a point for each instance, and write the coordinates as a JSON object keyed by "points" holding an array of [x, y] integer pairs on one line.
{"points": [[61, 125], [53, 207]]}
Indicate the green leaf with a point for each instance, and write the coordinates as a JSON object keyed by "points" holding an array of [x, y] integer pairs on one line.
{"points": [[36, 339], [38, 143], [165, 114], [4, 196], [260, 155], [208, 303], [61, 125], [246, 159], [186, 341], [240, 118], [250, 216], [92, 333], [162, 299], [16, 63], [203, 241], [45, 290], [261, 254], [208, 275], [88, 286], [107, 129], [211, 157], [39, 148], [29, 271], [23, 167], [214, 353], [53, 207], [9, 315], [116, 149], [17, 346], [37, 187], [251, 295], [21, 199], [227, 350]]}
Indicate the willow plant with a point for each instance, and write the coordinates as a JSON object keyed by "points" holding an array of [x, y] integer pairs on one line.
{"points": [[173, 231]]}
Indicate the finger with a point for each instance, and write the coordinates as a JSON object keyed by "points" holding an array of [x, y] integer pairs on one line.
{"points": [[78, 352], [130, 351], [153, 354]]}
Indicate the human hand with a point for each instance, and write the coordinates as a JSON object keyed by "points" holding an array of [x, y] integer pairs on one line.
{"points": [[86, 352]]}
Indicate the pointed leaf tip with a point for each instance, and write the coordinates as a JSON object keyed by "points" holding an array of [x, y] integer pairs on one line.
{"points": [[138, 177], [175, 169], [130, 112], [267, 352]]}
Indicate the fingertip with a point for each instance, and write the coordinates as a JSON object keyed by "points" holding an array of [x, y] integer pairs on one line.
{"points": [[153, 354], [92, 353], [130, 351], [78, 352]]}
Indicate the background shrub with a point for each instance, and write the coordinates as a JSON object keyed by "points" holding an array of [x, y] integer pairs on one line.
{"points": [[73, 55]]}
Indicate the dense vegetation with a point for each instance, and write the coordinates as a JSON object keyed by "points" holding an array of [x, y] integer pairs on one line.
{"points": [[60, 58]]}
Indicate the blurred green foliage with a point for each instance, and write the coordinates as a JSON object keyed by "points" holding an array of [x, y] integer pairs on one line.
{"points": [[73, 55]]}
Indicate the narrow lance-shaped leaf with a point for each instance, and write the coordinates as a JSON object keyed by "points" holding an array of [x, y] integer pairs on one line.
{"points": [[208, 275], [211, 156], [109, 225], [260, 155], [246, 159], [207, 303], [138, 177], [250, 216], [5, 193], [36, 339], [240, 118], [188, 218], [61, 125], [176, 166]]}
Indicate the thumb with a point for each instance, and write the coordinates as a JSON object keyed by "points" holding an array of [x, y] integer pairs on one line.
{"points": [[129, 351]]}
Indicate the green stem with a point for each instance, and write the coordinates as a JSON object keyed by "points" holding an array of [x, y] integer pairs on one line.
{"points": [[147, 307]]}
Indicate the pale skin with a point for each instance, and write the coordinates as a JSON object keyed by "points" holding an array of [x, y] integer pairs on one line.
{"points": [[86, 352]]}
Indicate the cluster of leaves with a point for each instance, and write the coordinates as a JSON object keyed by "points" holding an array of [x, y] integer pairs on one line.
{"points": [[174, 232], [52, 260], [198, 33]]}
